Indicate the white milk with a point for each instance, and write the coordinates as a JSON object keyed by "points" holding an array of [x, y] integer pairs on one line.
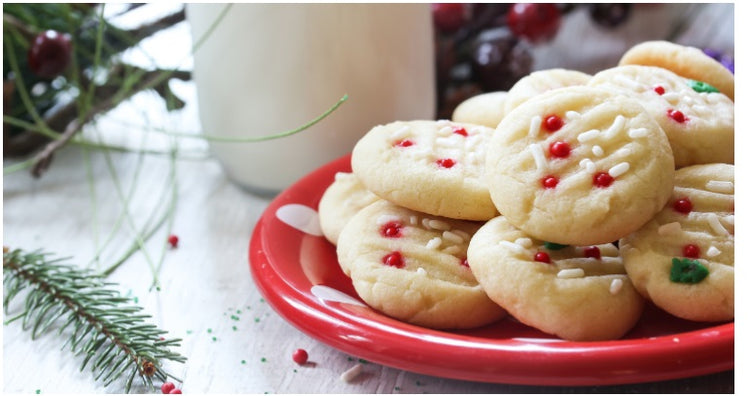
{"points": [[269, 68]]}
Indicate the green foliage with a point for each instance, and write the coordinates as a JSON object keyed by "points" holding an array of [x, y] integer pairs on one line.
{"points": [[101, 325]]}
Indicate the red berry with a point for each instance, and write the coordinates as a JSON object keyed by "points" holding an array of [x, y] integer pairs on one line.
{"points": [[692, 251], [559, 149], [460, 131], [175, 392], [300, 356], [676, 115], [603, 179], [50, 54], [683, 205], [542, 257], [173, 240], [592, 252], [445, 163], [552, 123], [538, 22], [391, 229], [449, 17], [167, 387], [549, 181], [403, 143], [659, 89], [393, 259]]}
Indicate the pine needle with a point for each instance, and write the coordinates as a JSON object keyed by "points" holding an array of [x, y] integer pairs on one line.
{"points": [[112, 335]]}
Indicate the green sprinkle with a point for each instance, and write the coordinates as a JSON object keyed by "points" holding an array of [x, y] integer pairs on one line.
{"points": [[38, 391], [295, 370], [257, 320], [554, 246], [398, 388], [419, 383], [363, 361], [209, 330], [239, 312], [687, 271], [234, 317], [350, 359], [135, 300], [158, 288], [234, 328], [213, 338], [189, 332], [243, 361], [263, 360], [262, 300], [700, 86]]}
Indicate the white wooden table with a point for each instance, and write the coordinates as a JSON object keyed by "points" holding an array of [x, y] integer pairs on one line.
{"points": [[234, 341]]}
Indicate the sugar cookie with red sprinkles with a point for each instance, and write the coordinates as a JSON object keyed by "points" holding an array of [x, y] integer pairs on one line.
{"points": [[340, 201], [683, 259], [435, 167], [579, 166], [412, 266], [578, 293], [698, 120]]}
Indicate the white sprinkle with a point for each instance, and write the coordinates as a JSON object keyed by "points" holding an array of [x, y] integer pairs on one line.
{"points": [[400, 133], [729, 219], [713, 221], [619, 169], [385, 219], [615, 286], [669, 228], [638, 133], [446, 130], [702, 110], [442, 122], [615, 127], [686, 99], [525, 242], [538, 153], [628, 82], [720, 186], [463, 234], [452, 250], [569, 273], [452, 237], [572, 114], [352, 373], [426, 223], [434, 243], [597, 150], [588, 164], [671, 96], [516, 248], [475, 130], [588, 135], [413, 220], [421, 271], [439, 225], [536, 123], [624, 152], [713, 251]]}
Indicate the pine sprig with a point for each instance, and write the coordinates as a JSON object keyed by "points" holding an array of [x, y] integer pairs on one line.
{"points": [[103, 326]]}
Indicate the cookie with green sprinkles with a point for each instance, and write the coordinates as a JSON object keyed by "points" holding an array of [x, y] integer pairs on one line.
{"points": [[683, 259]]}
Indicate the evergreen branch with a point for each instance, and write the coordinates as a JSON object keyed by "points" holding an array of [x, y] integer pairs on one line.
{"points": [[112, 335]]}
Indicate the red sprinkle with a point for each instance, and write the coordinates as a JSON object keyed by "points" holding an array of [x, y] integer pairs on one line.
{"points": [[465, 263], [549, 181], [676, 115], [542, 257], [553, 123], [460, 131], [300, 356], [394, 259], [559, 149], [173, 240], [692, 251], [659, 89], [603, 179], [683, 205], [167, 387], [445, 163], [592, 252], [403, 143], [392, 229]]}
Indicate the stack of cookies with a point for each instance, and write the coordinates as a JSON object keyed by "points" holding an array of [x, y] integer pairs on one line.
{"points": [[566, 202]]}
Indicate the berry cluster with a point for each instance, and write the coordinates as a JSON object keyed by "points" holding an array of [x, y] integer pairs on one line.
{"points": [[487, 47]]}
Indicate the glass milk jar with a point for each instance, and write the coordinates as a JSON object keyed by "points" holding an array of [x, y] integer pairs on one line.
{"points": [[270, 68]]}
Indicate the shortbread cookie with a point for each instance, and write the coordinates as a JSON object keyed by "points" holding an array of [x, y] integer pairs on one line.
{"points": [[412, 267], [579, 166], [483, 109], [436, 167], [698, 122], [540, 82], [683, 260], [576, 293], [341, 200], [689, 62]]}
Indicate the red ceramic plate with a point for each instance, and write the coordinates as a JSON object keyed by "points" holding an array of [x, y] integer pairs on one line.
{"points": [[296, 270]]}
